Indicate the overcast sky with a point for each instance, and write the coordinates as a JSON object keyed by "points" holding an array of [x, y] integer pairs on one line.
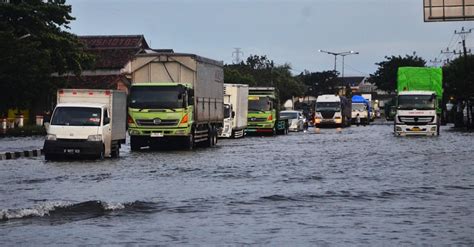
{"points": [[286, 31]]}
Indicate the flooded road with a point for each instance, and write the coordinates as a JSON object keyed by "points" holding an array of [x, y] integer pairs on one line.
{"points": [[362, 186]]}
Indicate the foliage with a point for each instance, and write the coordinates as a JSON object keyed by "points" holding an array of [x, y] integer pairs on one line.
{"points": [[27, 130], [458, 77], [33, 46], [262, 72], [318, 83], [385, 78]]}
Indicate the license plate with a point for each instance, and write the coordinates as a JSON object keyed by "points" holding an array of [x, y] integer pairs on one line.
{"points": [[415, 129], [72, 151], [158, 134]]}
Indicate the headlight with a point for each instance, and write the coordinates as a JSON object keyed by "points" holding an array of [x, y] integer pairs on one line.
{"points": [[51, 137], [94, 138], [338, 120]]}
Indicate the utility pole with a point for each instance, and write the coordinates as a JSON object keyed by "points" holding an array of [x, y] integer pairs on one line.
{"points": [[463, 33], [236, 55]]}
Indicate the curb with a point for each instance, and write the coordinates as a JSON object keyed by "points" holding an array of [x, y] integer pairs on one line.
{"points": [[21, 154]]}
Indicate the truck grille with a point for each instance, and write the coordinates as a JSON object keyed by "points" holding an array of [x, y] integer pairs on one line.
{"points": [[256, 119], [153, 122], [327, 114], [416, 120]]}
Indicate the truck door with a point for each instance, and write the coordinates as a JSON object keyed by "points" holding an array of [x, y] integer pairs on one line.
{"points": [[106, 132]]}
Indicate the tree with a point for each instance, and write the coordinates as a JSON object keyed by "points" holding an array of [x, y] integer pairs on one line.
{"points": [[262, 72], [33, 46], [458, 77], [325, 82], [385, 78]]}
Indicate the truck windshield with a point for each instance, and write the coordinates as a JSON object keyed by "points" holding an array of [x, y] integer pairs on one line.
{"points": [[76, 116], [259, 104], [359, 107], [419, 102], [328, 106], [157, 97]]}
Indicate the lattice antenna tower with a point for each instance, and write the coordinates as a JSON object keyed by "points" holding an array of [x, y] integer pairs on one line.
{"points": [[236, 55]]}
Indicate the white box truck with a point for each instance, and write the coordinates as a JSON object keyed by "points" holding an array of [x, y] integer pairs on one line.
{"points": [[332, 110], [235, 110], [175, 97], [86, 123]]}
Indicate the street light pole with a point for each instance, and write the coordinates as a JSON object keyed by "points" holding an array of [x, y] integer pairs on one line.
{"points": [[342, 54], [335, 54], [345, 54]]}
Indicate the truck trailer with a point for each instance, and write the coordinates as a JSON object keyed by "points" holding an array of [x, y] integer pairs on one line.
{"points": [[263, 108], [420, 91], [175, 98], [86, 123], [235, 110], [332, 111]]}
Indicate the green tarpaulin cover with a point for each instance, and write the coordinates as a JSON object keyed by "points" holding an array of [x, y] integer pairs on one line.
{"points": [[420, 79]]}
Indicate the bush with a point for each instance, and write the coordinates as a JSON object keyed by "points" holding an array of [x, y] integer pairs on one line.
{"points": [[29, 130]]}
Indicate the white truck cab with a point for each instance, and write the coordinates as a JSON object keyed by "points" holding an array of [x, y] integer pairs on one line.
{"points": [[416, 114], [86, 123], [328, 110]]}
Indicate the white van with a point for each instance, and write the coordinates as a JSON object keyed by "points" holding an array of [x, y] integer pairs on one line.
{"points": [[86, 123]]}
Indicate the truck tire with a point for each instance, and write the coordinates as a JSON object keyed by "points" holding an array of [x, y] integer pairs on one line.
{"points": [[101, 155], [211, 137], [214, 139], [189, 142], [438, 125], [135, 144], [115, 152]]}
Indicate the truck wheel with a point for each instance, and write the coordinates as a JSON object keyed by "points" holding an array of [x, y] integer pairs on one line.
{"points": [[101, 156], [190, 141], [115, 151], [438, 125], [134, 144], [214, 136]]}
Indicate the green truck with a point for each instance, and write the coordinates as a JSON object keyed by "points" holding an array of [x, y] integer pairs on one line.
{"points": [[263, 112], [420, 91], [175, 98]]}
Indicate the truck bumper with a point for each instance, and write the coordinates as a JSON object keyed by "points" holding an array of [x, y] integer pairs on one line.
{"points": [[72, 148], [412, 130], [258, 130], [328, 123], [162, 132]]}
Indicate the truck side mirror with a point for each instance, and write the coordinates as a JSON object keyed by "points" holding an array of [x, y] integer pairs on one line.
{"points": [[106, 120], [233, 114], [46, 126]]}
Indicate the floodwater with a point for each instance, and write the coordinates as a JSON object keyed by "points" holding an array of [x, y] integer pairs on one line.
{"points": [[362, 186]]}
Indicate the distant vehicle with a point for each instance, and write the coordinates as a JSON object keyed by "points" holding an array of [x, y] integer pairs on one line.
{"points": [[368, 97], [262, 112], [332, 111], [235, 110], [390, 109], [361, 107], [86, 123], [296, 120], [420, 92], [175, 97]]}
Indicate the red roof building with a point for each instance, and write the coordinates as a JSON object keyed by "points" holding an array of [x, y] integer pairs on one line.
{"points": [[112, 54]]}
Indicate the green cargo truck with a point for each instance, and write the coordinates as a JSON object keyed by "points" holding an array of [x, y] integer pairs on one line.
{"points": [[175, 98], [420, 91], [263, 114]]}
